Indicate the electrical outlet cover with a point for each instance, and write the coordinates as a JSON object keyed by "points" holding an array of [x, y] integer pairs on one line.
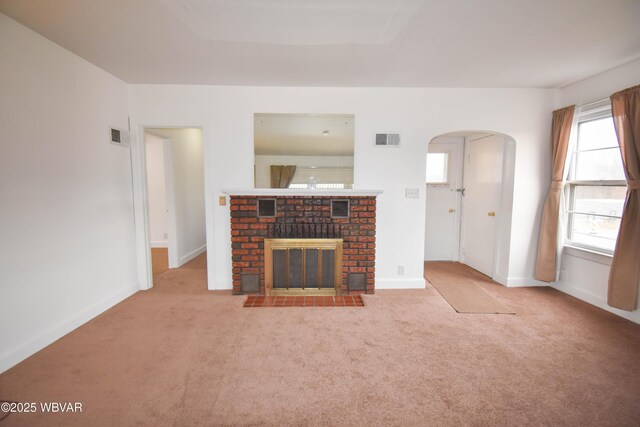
{"points": [[412, 193]]}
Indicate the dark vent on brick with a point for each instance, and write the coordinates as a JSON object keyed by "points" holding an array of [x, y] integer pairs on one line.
{"points": [[357, 282], [266, 207], [250, 283], [339, 209]]}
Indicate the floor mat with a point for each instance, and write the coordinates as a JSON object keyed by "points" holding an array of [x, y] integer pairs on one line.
{"points": [[467, 297]]}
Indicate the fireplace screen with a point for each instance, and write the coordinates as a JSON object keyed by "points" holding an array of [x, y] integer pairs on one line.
{"points": [[303, 266]]}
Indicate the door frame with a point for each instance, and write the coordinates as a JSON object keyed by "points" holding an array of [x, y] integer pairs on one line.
{"points": [[141, 199]]}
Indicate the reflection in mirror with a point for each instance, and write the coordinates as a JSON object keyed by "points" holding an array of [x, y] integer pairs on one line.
{"points": [[303, 150]]}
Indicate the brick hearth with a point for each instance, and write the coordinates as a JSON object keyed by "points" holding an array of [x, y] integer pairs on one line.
{"points": [[248, 232]]}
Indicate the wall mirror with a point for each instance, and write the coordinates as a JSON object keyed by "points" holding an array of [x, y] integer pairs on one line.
{"points": [[313, 151]]}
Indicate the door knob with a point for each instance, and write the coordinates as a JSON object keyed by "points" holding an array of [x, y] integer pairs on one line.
{"points": [[491, 214], [451, 210]]}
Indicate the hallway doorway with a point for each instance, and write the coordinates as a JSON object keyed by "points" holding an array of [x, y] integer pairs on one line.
{"points": [[174, 160], [469, 194]]}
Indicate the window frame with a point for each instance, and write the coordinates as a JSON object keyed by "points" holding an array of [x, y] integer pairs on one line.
{"points": [[589, 112]]}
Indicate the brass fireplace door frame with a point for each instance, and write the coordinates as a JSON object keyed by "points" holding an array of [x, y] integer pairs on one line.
{"points": [[320, 244]]}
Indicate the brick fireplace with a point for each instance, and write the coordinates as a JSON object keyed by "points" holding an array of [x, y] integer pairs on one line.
{"points": [[308, 220]]}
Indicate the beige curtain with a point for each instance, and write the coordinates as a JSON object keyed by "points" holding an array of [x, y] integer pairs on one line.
{"points": [[281, 176], [624, 276], [548, 243]]}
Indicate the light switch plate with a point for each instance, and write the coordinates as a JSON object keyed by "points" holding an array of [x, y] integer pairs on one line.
{"points": [[411, 193], [222, 200]]}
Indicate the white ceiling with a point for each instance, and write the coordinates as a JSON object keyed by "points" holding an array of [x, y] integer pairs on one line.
{"points": [[303, 134], [295, 22], [428, 43]]}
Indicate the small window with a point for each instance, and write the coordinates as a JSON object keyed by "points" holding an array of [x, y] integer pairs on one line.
{"points": [[596, 187], [437, 168]]}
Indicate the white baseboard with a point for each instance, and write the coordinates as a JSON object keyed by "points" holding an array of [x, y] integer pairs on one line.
{"points": [[191, 255], [222, 285], [519, 282], [503, 280], [14, 356], [598, 301], [159, 244], [404, 283]]}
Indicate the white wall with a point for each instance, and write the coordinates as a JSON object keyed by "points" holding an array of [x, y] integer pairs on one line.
{"points": [[226, 114], [601, 85], [157, 191], [582, 274], [67, 248], [263, 163], [187, 176], [506, 221]]}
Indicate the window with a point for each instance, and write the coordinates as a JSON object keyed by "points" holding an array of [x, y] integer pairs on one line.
{"points": [[320, 186], [437, 168], [323, 178], [596, 187]]}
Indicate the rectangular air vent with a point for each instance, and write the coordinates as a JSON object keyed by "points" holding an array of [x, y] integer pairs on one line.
{"points": [[388, 139], [119, 137], [340, 209], [266, 208]]}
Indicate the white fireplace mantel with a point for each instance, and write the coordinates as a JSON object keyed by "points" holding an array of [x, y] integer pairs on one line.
{"points": [[300, 192]]}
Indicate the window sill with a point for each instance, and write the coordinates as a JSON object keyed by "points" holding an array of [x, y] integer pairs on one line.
{"points": [[589, 255]]}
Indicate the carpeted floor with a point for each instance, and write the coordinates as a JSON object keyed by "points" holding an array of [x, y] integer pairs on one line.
{"points": [[159, 261], [180, 355]]}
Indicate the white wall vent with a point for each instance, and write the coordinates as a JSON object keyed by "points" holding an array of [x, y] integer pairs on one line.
{"points": [[119, 137], [388, 139]]}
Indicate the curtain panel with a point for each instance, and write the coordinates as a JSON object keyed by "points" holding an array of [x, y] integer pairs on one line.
{"points": [[546, 262], [624, 276], [281, 176]]}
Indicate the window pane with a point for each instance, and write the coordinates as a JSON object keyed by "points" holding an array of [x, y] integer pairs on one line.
{"points": [[593, 230], [317, 176], [599, 200], [599, 165], [437, 168], [597, 134]]}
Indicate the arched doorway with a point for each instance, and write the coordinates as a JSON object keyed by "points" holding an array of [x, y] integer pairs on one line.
{"points": [[469, 200]]}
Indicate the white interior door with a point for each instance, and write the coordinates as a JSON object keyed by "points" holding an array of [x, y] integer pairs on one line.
{"points": [[442, 226], [483, 188]]}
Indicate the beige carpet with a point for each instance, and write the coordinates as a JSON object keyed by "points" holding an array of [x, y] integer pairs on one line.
{"points": [[181, 355], [159, 261], [466, 297]]}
